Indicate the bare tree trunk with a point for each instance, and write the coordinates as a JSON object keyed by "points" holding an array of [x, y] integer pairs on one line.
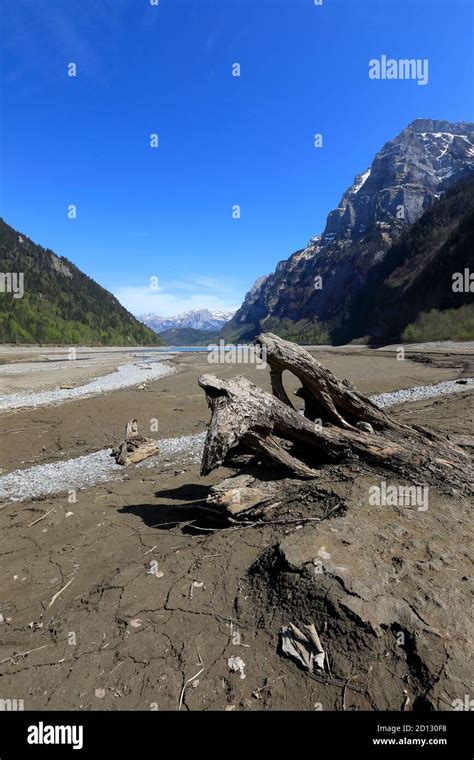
{"points": [[334, 401], [353, 428]]}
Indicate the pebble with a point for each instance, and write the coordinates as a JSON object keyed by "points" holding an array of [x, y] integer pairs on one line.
{"points": [[419, 393], [99, 467], [90, 469], [125, 376]]}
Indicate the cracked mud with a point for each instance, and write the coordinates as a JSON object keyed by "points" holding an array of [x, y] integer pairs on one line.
{"points": [[117, 599]]}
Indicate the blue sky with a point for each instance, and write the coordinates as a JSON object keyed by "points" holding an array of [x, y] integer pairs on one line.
{"points": [[223, 140]]}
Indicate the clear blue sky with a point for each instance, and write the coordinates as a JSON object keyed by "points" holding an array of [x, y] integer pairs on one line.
{"points": [[166, 69]]}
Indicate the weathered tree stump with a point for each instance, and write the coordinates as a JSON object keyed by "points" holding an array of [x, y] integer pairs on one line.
{"points": [[135, 447], [350, 426], [325, 397]]}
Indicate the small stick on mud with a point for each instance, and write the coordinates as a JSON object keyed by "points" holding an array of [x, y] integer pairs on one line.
{"points": [[332, 681], [344, 693], [41, 518], [267, 686], [22, 654], [190, 680], [59, 592]]}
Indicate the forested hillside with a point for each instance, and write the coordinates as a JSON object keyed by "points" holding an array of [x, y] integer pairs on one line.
{"points": [[60, 303]]}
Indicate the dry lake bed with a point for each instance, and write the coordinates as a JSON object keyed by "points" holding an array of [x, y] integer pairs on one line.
{"points": [[118, 591]]}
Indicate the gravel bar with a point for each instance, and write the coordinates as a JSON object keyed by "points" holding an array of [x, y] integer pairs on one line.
{"points": [[421, 392], [125, 376], [98, 467], [91, 469]]}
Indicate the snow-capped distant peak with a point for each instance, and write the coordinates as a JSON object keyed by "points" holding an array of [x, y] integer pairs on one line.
{"points": [[197, 319]]}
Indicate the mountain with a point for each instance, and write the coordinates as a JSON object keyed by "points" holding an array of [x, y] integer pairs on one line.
{"points": [[60, 304], [198, 319], [311, 296], [188, 336], [411, 293]]}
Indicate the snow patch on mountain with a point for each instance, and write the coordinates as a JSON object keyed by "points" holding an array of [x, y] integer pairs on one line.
{"points": [[407, 175], [360, 180], [197, 319]]}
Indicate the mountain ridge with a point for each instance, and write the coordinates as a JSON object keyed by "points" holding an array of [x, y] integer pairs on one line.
{"points": [[408, 174], [61, 304], [195, 319]]}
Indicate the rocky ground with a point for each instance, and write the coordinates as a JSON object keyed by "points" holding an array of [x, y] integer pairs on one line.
{"points": [[130, 594]]}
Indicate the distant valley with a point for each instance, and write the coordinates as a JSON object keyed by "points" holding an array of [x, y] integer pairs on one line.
{"points": [[197, 319], [381, 271]]}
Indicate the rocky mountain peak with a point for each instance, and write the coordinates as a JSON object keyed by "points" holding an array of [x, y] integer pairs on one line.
{"points": [[407, 175], [196, 319]]}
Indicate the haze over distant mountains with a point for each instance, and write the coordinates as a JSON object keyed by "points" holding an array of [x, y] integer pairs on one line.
{"points": [[197, 319], [315, 296]]}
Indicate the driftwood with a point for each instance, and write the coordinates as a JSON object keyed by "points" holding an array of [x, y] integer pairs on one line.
{"points": [[325, 397], [241, 494], [338, 424], [135, 447]]}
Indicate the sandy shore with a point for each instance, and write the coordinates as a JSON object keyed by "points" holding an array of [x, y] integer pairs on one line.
{"points": [[35, 372], [136, 630]]}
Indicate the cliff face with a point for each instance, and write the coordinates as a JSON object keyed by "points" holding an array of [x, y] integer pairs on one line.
{"points": [[421, 272], [318, 285]]}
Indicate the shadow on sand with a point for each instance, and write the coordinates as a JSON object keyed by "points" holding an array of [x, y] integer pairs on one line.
{"points": [[192, 516]]}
